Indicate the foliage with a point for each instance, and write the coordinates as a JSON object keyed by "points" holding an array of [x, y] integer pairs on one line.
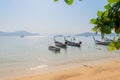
{"points": [[107, 21], [55, 0], [114, 45], [69, 2]]}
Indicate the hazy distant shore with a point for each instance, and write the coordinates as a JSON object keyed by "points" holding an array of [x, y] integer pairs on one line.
{"points": [[18, 33]]}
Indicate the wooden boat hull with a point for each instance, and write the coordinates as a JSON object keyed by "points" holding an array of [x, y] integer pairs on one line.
{"points": [[100, 42], [53, 48], [72, 43], [59, 44]]}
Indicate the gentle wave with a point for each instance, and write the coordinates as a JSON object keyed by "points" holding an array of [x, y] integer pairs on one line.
{"points": [[39, 67]]}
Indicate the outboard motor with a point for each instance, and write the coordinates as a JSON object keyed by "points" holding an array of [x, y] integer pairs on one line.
{"points": [[80, 42]]}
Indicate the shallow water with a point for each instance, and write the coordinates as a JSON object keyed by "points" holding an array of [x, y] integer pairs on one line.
{"points": [[30, 54]]}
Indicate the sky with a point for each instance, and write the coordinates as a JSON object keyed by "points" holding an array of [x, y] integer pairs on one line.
{"points": [[47, 16]]}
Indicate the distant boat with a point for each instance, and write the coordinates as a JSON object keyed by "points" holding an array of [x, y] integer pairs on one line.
{"points": [[70, 43], [108, 40], [59, 44], [21, 36], [53, 48], [101, 42]]}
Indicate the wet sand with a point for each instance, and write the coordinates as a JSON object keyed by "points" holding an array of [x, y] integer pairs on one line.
{"points": [[103, 71]]}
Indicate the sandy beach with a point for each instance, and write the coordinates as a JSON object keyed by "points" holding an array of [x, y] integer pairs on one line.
{"points": [[104, 71]]}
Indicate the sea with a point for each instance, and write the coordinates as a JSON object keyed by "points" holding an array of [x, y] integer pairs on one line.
{"points": [[30, 54]]}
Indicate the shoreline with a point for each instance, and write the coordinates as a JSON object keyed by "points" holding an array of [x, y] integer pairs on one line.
{"points": [[76, 70]]}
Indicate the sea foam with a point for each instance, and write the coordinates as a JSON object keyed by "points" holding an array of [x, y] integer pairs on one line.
{"points": [[38, 67]]}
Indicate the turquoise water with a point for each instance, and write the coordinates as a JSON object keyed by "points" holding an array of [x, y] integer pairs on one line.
{"points": [[29, 55]]}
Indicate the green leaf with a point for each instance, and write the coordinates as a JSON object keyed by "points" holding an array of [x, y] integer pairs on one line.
{"points": [[106, 29], [113, 1], [107, 6], [117, 45], [118, 14], [99, 14], [69, 2], [95, 29], [93, 21], [117, 30], [105, 14], [111, 46], [99, 28], [110, 23], [106, 20], [55, 0]]}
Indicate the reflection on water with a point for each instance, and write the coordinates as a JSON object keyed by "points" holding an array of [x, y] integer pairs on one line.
{"points": [[32, 53]]}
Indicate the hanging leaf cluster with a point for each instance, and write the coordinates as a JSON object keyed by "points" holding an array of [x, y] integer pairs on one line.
{"points": [[108, 21], [114, 45]]}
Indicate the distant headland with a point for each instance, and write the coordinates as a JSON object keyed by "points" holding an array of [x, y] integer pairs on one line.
{"points": [[93, 34], [18, 33]]}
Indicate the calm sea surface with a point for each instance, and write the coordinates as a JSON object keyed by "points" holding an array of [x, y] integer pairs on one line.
{"points": [[30, 54]]}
